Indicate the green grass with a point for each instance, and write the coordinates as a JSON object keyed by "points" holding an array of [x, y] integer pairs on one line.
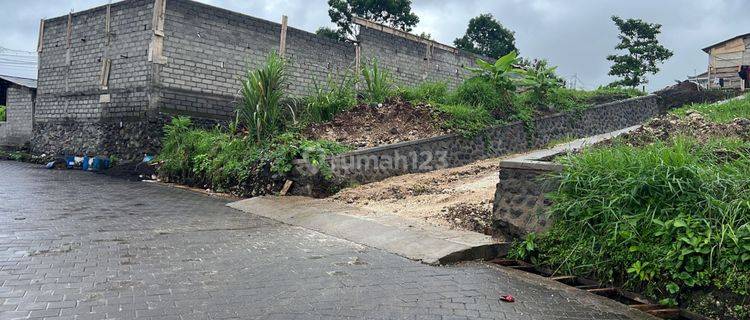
{"points": [[663, 219], [2, 113], [725, 112], [326, 101], [426, 92], [465, 119]]}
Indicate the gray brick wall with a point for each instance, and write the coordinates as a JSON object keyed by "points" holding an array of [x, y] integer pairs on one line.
{"points": [[69, 75], [209, 50], [17, 128], [411, 62]]}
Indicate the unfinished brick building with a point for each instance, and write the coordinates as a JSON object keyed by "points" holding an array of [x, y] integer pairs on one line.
{"points": [[110, 76]]}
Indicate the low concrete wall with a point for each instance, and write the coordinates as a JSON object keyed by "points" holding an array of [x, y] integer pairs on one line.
{"points": [[374, 164]]}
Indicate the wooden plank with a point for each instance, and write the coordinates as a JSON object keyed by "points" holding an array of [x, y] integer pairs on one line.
{"points": [[70, 29], [665, 313], [104, 75], [400, 33], [282, 40], [108, 22], [156, 46], [645, 307], [40, 44]]}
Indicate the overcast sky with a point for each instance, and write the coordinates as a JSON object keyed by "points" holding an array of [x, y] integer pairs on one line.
{"points": [[575, 35]]}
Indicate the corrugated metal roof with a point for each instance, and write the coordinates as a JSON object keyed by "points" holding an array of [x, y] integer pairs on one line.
{"points": [[29, 83]]}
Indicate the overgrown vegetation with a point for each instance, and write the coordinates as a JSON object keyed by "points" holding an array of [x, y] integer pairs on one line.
{"points": [[227, 162], [378, 84], [725, 112], [326, 101], [2, 113], [663, 219]]}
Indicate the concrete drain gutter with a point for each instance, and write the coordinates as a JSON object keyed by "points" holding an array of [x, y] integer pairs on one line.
{"points": [[627, 298], [390, 233]]}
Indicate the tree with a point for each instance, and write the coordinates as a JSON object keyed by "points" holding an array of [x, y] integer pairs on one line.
{"points": [[487, 37], [643, 52], [393, 13], [328, 33]]}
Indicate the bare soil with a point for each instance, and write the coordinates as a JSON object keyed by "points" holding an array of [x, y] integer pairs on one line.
{"points": [[455, 198], [366, 126], [692, 125]]}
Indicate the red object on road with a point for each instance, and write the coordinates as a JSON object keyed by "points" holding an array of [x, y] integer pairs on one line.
{"points": [[507, 298]]}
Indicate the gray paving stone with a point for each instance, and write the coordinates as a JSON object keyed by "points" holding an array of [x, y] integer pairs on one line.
{"points": [[76, 245]]}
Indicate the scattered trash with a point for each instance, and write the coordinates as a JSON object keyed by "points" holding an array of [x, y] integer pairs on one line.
{"points": [[507, 298], [147, 158]]}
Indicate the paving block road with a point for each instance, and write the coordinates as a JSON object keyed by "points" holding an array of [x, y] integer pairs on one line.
{"points": [[78, 245]]}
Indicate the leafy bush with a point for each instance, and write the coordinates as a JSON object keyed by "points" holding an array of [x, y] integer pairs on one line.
{"points": [[500, 74], [725, 112], [327, 101], [465, 119], [540, 80], [2, 113], [426, 92], [378, 83], [223, 161], [657, 219], [479, 92], [261, 111]]}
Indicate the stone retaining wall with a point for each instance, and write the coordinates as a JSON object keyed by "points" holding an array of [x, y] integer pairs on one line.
{"points": [[520, 203], [369, 165]]}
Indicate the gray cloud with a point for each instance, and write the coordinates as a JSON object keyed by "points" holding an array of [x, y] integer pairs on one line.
{"points": [[575, 35]]}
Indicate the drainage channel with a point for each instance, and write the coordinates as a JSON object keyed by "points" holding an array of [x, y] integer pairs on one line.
{"points": [[630, 299]]}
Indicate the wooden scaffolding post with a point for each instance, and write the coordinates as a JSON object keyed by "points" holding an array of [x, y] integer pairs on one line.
{"points": [[282, 40], [40, 44]]}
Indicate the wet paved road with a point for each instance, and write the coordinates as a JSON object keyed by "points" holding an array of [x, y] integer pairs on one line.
{"points": [[75, 245]]}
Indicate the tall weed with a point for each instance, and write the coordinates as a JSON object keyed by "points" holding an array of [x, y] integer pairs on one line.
{"points": [[261, 111]]}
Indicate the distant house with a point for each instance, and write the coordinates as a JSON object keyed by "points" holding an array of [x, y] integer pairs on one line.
{"points": [[18, 95], [725, 60], [701, 79]]}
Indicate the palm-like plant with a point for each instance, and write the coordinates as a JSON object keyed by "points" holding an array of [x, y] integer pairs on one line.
{"points": [[261, 111], [539, 79], [501, 74]]}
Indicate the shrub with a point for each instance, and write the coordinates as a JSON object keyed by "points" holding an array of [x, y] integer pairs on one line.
{"points": [[479, 92], [325, 102], [540, 81], [2, 113], [223, 161], [426, 92], [658, 219], [500, 74], [465, 119], [378, 83], [261, 110]]}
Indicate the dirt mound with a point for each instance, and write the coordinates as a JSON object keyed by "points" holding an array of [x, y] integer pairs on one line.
{"points": [[692, 125], [470, 216], [454, 198], [366, 126]]}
